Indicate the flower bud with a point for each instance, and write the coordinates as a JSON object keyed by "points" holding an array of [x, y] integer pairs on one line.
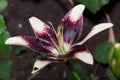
{"points": [[114, 60]]}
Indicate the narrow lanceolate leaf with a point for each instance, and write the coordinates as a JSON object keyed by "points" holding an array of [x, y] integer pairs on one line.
{"points": [[42, 30], [79, 73], [72, 24], [36, 44], [5, 68], [95, 30], [82, 53], [4, 34]]}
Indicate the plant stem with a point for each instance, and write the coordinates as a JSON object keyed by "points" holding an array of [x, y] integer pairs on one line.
{"points": [[96, 68], [33, 76], [76, 75], [71, 2], [111, 37], [93, 75], [73, 71]]}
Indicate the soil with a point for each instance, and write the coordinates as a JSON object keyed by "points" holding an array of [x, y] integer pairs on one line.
{"points": [[16, 16]]}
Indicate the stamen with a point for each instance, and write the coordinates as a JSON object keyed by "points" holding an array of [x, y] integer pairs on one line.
{"points": [[62, 36], [62, 42], [52, 40], [59, 38], [51, 25]]}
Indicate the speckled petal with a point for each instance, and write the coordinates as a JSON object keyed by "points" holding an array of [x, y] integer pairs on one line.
{"points": [[36, 44], [72, 24], [42, 30]]}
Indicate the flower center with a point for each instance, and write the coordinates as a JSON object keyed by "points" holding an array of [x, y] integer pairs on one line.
{"points": [[62, 50]]}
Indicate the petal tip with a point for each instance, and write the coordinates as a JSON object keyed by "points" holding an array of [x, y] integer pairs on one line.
{"points": [[7, 41], [15, 41], [88, 59], [37, 24], [10, 40], [85, 56], [39, 64], [32, 18], [77, 12], [81, 6], [110, 24], [107, 25]]}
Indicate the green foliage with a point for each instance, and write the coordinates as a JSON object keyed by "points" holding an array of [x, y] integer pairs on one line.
{"points": [[5, 67], [37, 57], [3, 5], [118, 40], [81, 72], [77, 72], [110, 74], [4, 34], [102, 52], [19, 50], [93, 5], [73, 76], [70, 76], [114, 60]]}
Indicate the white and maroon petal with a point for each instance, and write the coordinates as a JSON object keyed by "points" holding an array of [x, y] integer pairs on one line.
{"points": [[42, 30], [36, 44], [81, 53], [16, 41], [95, 30], [41, 63], [84, 56], [72, 24]]}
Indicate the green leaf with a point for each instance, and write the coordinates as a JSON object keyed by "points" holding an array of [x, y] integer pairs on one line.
{"points": [[93, 5], [110, 74], [19, 50], [3, 5], [104, 2], [5, 67], [102, 52], [77, 73], [118, 39], [4, 34], [81, 72], [70, 76], [2, 25], [37, 57]]}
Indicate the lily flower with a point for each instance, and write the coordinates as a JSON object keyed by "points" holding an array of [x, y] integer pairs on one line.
{"points": [[62, 44]]}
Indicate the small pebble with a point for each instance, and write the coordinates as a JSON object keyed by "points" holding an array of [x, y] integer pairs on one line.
{"points": [[20, 25]]}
